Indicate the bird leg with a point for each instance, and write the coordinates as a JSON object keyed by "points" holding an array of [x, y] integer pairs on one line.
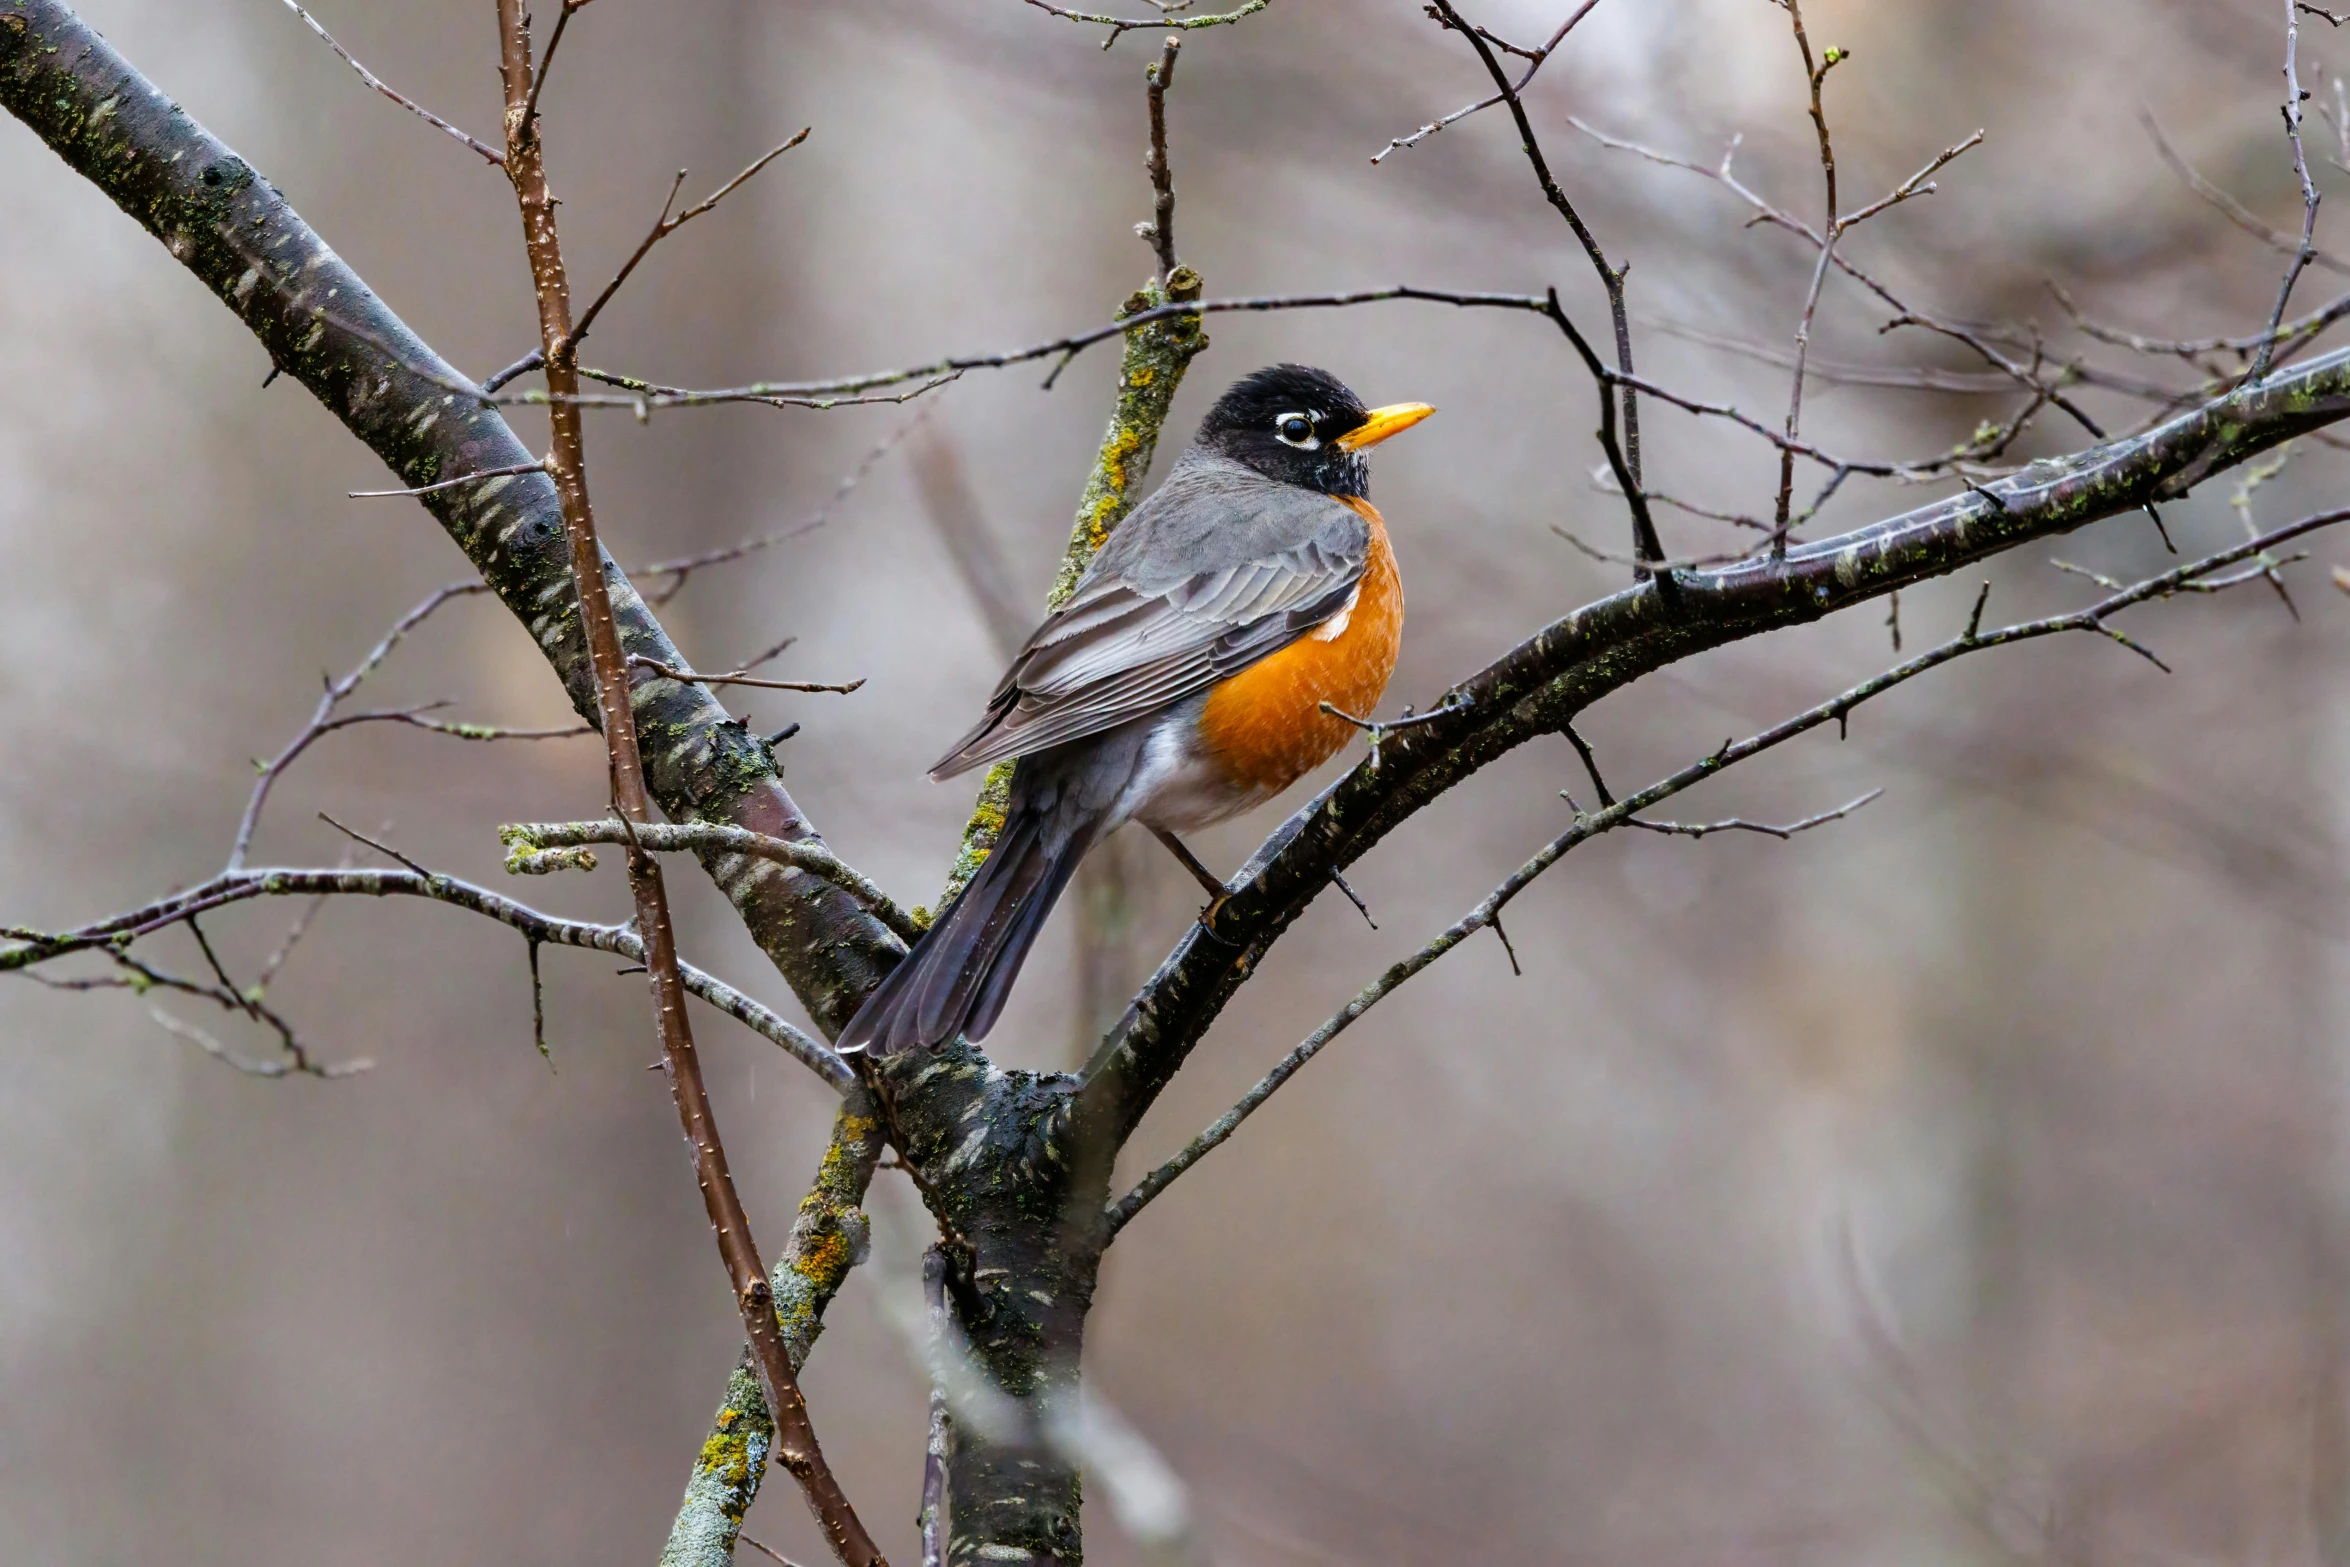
{"points": [[1216, 890]]}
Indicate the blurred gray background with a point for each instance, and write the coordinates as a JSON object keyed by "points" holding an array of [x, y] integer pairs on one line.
{"points": [[1963, 1182]]}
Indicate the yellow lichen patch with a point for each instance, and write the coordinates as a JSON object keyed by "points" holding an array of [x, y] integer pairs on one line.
{"points": [[849, 1133], [825, 1259], [727, 1453]]}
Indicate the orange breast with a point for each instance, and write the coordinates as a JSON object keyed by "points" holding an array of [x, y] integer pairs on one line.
{"points": [[1265, 725]]}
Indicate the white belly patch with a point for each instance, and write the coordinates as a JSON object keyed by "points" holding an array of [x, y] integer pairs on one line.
{"points": [[1335, 627]]}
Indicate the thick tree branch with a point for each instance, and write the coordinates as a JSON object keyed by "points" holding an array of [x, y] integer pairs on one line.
{"points": [[2195, 577], [829, 1238], [1542, 684]]}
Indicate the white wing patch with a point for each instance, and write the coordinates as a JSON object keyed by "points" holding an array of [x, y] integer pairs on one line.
{"points": [[1335, 627]]}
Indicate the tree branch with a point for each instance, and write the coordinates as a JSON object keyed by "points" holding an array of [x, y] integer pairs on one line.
{"points": [[113, 934], [242, 240], [489, 153], [1120, 26], [535, 848], [1539, 686], [796, 1442], [2192, 577]]}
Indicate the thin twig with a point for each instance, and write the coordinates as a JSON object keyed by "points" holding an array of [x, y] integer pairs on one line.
{"points": [[449, 484], [1644, 536], [247, 1064], [1536, 57], [2307, 250], [1906, 315], [527, 845], [768, 1551], [116, 931], [682, 567], [371, 79], [1379, 730], [381, 848], [1831, 230], [663, 227], [737, 678], [2226, 205], [834, 392], [1120, 26], [1740, 824], [538, 80], [1160, 230]]}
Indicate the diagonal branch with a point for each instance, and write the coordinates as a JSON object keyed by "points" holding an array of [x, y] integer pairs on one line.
{"points": [[1645, 542], [371, 79], [1535, 59], [1542, 684], [323, 326], [2193, 577], [528, 846], [110, 935], [567, 460]]}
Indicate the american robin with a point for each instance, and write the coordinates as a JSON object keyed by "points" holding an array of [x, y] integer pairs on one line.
{"points": [[1181, 684]]}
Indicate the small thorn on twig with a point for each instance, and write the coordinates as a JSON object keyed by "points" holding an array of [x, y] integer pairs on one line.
{"points": [[1591, 766], [380, 848], [1354, 898], [1974, 622], [1998, 502], [2159, 528], [1508, 947]]}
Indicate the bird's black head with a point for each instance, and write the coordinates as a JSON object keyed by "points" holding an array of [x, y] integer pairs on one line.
{"points": [[1298, 425]]}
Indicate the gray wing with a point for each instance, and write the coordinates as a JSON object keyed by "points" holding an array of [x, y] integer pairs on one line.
{"points": [[1261, 565]]}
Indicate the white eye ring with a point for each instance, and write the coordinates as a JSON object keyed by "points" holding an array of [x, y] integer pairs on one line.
{"points": [[1296, 429]]}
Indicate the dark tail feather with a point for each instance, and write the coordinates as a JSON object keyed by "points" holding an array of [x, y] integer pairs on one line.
{"points": [[957, 977]]}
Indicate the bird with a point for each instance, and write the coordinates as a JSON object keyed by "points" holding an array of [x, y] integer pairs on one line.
{"points": [[1186, 679]]}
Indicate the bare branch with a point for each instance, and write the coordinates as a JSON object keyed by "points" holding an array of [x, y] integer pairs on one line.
{"points": [[247, 1064], [538, 81], [616, 709], [663, 227], [528, 846], [1120, 26], [1644, 536], [737, 678], [834, 392], [230, 887], [371, 79], [1379, 731], [1766, 829], [2306, 251], [2028, 376], [509, 472], [1588, 825], [1536, 57], [1160, 230], [682, 568]]}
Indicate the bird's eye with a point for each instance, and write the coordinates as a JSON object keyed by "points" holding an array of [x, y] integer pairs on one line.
{"points": [[1296, 430]]}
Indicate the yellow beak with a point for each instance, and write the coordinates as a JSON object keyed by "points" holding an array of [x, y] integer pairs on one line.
{"points": [[1393, 419]]}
